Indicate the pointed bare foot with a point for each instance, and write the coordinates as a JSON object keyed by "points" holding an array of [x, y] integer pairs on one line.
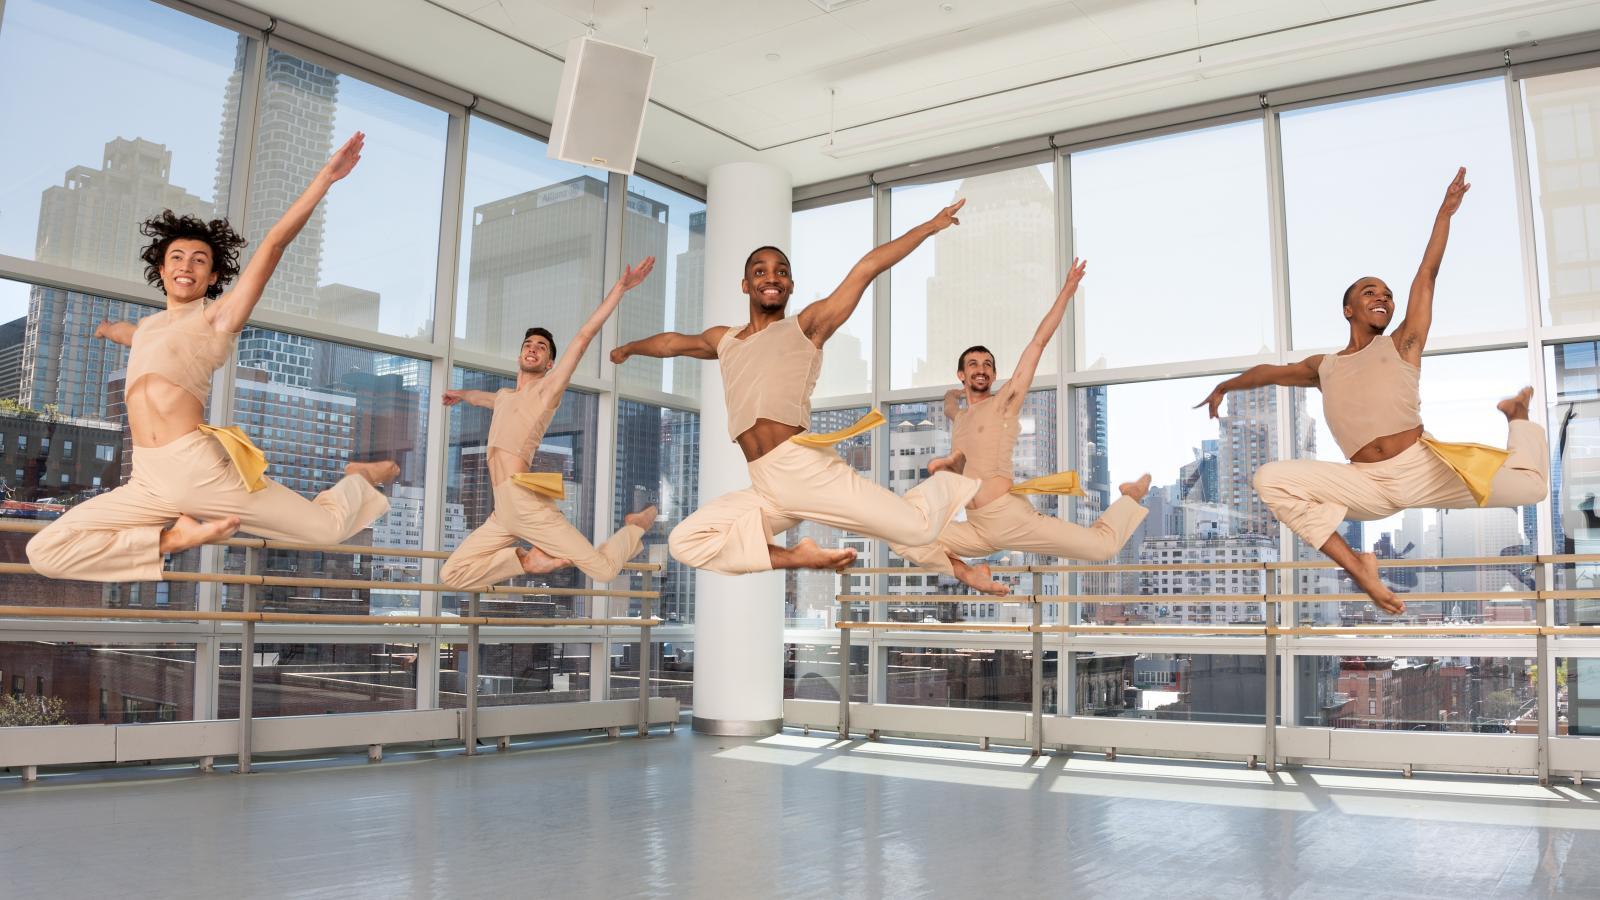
{"points": [[375, 472], [537, 562], [644, 518], [978, 578], [807, 555], [1136, 489], [946, 463], [191, 532], [1516, 407], [1367, 578]]}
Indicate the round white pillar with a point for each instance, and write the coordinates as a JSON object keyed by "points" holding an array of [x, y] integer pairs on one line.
{"points": [[738, 627]]}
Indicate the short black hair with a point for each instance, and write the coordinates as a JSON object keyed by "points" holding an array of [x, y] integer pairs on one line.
{"points": [[961, 361], [751, 258], [167, 226], [1345, 300], [541, 332]]}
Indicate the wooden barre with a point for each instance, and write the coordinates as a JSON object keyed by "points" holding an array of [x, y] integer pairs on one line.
{"points": [[1403, 630], [1183, 599], [1147, 567], [919, 599], [913, 570], [1244, 630], [178, 615], [1443, 563], [933, 626]]}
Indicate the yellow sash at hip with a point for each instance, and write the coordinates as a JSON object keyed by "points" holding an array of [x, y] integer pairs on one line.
{"points": [[247, 457], [866, 423], [1475, 463], [548, 484], [1058, 483]]}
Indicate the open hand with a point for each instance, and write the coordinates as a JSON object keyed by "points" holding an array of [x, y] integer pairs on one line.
{"points": [[634, 277], [1212, 401], [1455, 192], [345, 158], [1075, 275]]}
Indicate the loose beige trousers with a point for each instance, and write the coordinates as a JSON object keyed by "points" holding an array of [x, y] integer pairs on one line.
{"points": [[116, 536], [1011, 523], [795, 483], [1313, 497], [488, 555]]}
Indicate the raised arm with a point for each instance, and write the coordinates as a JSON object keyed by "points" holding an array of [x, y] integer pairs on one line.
{"points": [[822, 318], [1300, 374], [1412, 334], [1028, 362], [230, 313], [561, 375], [472, 398], [671, 343], [116, 332]]}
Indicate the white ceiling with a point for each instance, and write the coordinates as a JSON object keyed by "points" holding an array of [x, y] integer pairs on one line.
{"points": [[912, 79]]}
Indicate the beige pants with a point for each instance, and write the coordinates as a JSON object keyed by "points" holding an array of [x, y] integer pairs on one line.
{"points": [[1313, 497], [116, 536], [488, 555], [1011, 523], [793, 483]]}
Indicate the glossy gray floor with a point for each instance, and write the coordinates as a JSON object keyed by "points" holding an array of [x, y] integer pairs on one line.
{"points": [[790, 816]]}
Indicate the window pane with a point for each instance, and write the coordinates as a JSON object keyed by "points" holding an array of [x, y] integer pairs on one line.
{"points": [[96, 684], [1417, 693], [532, 244], [809, 593], [568, 447], [826, 242], [1563, 126], [1363, 181], [314, 407], [1458, 397], [1150, 217], [986, 280], [1578, 694], [966, 678], [515, 674], [1195, 687], [811, 672], [319, 679], [114, 155], [1574, 395], [1202, 506], [671, 227], [658, 462], [367, 257]]}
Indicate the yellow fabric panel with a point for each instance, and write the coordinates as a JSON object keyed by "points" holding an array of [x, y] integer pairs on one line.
{"points": [[1059, 483], [1475, 463], [866, 423], [547, 483], [246, 456]]}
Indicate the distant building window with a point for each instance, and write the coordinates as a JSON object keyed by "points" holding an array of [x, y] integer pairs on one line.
{"points": [[66, 447], [104, 452], [22, 442]]}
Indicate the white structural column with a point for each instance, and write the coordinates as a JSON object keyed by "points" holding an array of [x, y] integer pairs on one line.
{"points": [[738, 628]]}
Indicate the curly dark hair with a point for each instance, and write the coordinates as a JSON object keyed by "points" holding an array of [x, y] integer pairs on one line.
{"points": [[167, 227]]}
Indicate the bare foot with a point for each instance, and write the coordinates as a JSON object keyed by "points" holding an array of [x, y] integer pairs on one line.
{"points": [[946, 463], [1367, 578], [644, 518], [1516, 407], [191, 532], [1136, 489], [807, 555], [375, 472], [978, 578], [538, 562]]}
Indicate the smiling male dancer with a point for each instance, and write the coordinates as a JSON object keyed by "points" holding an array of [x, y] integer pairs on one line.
{"points": [[769, 368], [1371, 400]]}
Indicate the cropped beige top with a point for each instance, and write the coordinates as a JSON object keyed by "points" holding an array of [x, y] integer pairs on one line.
{"points": [[1368, 394], [520, 419], [987, 435], [769, 375], [181, 346]]}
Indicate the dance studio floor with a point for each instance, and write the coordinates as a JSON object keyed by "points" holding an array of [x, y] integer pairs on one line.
{"points": [[683, 815]]}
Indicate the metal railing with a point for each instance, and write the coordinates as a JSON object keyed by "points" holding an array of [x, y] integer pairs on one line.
{"points": [[249, 616]]}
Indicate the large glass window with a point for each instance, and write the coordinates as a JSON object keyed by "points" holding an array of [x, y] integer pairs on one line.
{"points": [[512, 674], [1573, 377], [533, 233], [1180, 261], [75, 192], [988, 280], [1199, 687], [89, 683], [1417, 693], [367, 257], [826, 242], [809, 593], [1563, 129], [320, 679], [670, 226], [1362, 183], [658, 463], [964, 678]]}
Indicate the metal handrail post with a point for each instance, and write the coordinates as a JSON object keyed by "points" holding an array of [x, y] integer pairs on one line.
{"points": [[844, 657], [1270, 672], [1038, 676], [646, 612], [469, 725], [247, 663], [1545, 657]]}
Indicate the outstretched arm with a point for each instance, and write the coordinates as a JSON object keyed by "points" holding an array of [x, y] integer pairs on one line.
{"points": [[116, 332], [822, 318], [561, 375], [1300, 374], [671, 343], [1028, 362], [234, 309], [1412, 334], [471, 398]]}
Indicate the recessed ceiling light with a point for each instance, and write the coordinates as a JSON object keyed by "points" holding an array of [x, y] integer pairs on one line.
{"points": [[948, 7], [773, 57]]}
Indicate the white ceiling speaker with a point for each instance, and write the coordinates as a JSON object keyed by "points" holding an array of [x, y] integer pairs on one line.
{"points": [[600, 110]]}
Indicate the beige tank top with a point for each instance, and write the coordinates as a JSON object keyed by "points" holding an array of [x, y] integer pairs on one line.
{"points": [[181, 346], [519, 421], [769, 375], [1369, 394], [987, 436]]}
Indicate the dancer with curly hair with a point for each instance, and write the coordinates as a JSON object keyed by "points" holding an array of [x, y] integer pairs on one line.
{"points": [[193, 483]]}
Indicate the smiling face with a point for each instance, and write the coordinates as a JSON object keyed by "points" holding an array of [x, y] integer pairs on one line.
{"points": [[977, 371], [767, 280], [1369, 305], [536, 356], [186, 272]]}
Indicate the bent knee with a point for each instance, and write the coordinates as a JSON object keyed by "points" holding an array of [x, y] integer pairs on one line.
{"points": [[454, 574], [689, 545]]}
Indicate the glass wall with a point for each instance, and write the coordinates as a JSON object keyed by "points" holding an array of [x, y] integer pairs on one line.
{"points": [[826, 242]]}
